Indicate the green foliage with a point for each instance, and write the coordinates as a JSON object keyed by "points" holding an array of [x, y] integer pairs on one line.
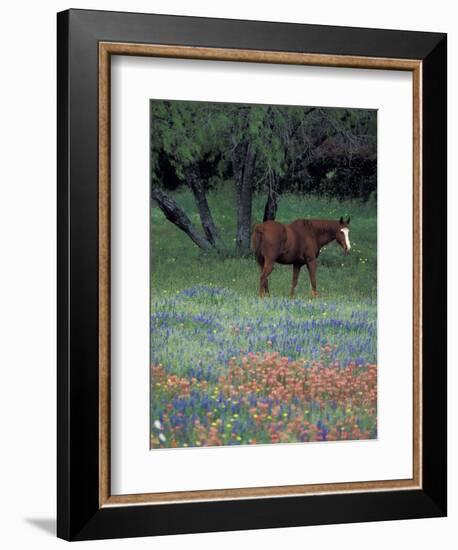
{"points": [[299, 144], [186, 132]]}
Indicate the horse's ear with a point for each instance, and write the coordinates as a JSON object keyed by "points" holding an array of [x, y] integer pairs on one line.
{"points": [[341, 220], [348, 220]]}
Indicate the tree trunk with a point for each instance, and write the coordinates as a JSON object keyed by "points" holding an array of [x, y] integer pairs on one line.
{"points": [[270, 209], [206, 218], [271, 206], [245, 199], [178, 216]]}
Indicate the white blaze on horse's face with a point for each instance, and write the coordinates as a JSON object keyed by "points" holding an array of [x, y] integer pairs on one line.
{"points": [[346, 231]]}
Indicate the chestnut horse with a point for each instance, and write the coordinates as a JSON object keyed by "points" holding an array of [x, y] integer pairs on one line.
{"points": [[297, 243]]}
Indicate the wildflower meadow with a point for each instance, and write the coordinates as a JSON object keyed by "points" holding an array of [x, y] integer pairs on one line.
{"points": [[229, 368]]}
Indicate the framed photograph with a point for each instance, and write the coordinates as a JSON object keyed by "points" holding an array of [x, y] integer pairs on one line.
{"points": [[251, 275]]}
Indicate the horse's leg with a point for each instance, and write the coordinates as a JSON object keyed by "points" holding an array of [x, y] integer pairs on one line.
{"points": [[261, 267], [296, 269], [311, 265], [266, 271]]}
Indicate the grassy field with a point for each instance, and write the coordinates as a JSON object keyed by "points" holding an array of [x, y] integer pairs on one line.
{"points": [[178, 264], [229, 368]]}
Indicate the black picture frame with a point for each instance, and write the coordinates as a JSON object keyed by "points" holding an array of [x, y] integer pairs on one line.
{"points": [[78, 512]]}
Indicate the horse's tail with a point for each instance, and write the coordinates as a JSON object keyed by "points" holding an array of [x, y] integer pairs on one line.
{"points": [[256, 243]]}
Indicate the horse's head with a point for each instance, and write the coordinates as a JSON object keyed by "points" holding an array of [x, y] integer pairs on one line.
{"points": [[343, 234]]}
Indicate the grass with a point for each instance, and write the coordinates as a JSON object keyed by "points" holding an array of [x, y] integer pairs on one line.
{"points": [[178, 264], [207, 323]]}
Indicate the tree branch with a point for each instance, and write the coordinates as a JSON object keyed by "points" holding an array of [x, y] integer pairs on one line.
{"points": [[174, 213], [194, 182]]}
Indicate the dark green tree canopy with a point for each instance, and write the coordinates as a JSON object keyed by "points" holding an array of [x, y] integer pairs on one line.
{"points": [[267, 149]]}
